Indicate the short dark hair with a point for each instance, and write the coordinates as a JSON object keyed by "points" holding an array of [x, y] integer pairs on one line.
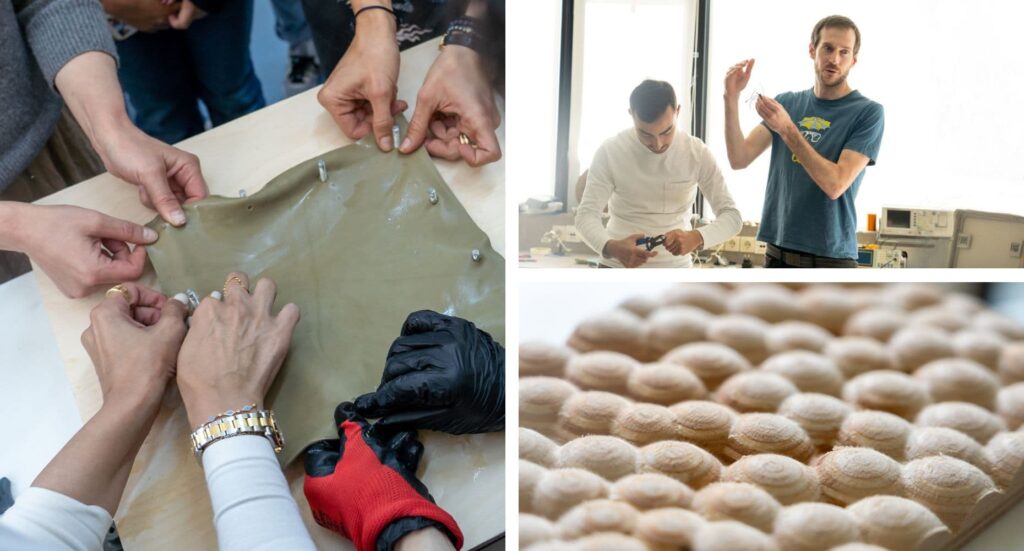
{"points": [[649, 100], [836, 22]]}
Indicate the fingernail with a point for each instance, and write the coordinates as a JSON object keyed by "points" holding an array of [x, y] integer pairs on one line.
{"points": [[149, 234], [406, 143], [385, 143], [180, 297], [178, 217]]}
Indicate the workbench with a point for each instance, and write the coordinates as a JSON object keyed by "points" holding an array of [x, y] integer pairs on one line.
{"points": [[166, 504]]}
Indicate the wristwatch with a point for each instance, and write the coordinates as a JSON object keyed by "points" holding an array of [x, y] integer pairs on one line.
{"points": [[255, 422]]}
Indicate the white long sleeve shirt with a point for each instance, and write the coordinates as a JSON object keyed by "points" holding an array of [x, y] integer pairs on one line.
{"points": [[245, 483], [653, 193]]}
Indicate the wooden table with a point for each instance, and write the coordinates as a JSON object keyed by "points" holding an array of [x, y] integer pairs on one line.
{"points": [[166, 504]]}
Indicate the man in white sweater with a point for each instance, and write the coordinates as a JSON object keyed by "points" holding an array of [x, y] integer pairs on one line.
{"points": [[648, 176]]}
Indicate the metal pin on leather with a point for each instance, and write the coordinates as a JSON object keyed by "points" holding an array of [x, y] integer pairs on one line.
{"points": [[323, 170], [475, 255], [432, 196]]}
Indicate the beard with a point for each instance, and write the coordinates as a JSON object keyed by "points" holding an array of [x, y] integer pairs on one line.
{"points": [[837, 80]]}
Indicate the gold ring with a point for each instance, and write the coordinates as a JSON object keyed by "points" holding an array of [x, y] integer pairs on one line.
{"points": [[237, 280], [121, 290]]}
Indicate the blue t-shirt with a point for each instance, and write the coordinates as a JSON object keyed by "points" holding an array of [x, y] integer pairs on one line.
{"points": [[797, 213]]}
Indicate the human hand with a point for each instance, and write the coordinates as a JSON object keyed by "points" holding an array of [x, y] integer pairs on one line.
{"points": [[456, 97], [379, 466], [679, 242], [133, 340], [737, 77], [145, 15], [234, 349], [183, 19], [166, 176], [442, 374], [627, 251], [81, 249], [360, 92], [774, 114]]}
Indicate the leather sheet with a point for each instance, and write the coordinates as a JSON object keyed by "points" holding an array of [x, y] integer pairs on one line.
{"points": [[357, 253]]}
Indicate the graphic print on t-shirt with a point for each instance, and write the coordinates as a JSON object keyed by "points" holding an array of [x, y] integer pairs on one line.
{"points": [[813, 129]]}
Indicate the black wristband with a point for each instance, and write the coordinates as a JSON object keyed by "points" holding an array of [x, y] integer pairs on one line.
{"points": [[375, 7]]}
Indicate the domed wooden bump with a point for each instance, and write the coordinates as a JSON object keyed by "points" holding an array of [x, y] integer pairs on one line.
{"points": [[537, 448], [710, 297], [970, 419], [744, 334], [1005, 453], [949, 487], [797, 335], [890, 391], [786, 479], [540, 399], [827, 306], [818, 414], [616, 331], [768, 433], [646, 423], [856, 355], [1011, 363], [876, 323], [992, 321], [665, 384], [651, 491], [929, 441], [850, 474], [640, 305], [814, 526], [609, 457], [534, 529], [959, 380], [600, 515], [940, 317], [729, 535], [1010, 405], [668, 528], [682, 461], [608, 371], [608, 540], [737, 501], [896, 523], [712, 362], [981, 346], [808, 371], [877, 430], [912, 296], [913, 347], [769, 302], [529, 475], [559, 490], [544, 359], [591, 412], [755, 391], [705, 423], [674, 326]]}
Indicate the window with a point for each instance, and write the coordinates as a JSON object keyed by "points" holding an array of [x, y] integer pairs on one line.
{"points": [[538, 99], [944, 71]]}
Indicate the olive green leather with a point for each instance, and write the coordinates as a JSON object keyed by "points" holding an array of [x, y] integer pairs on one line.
{"points": [[357, 254]]}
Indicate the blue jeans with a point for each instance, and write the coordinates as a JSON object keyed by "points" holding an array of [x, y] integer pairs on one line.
{"points": [[166, 73], [290, 21]]}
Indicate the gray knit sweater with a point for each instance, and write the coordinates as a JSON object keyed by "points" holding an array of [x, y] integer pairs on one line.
{"points": [[37, 37]]}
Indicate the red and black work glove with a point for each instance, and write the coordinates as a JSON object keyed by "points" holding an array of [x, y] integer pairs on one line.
{"points": [[442, 374], [364, 485]]}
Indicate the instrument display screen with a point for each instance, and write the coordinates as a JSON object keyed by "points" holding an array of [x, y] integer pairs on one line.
{"points": [[898, 219]]}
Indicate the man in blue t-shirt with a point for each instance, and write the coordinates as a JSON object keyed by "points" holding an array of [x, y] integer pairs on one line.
{"points": [[822, 140]]}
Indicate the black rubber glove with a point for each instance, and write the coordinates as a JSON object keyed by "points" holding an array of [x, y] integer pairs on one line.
{"points": [[442, 374]]}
